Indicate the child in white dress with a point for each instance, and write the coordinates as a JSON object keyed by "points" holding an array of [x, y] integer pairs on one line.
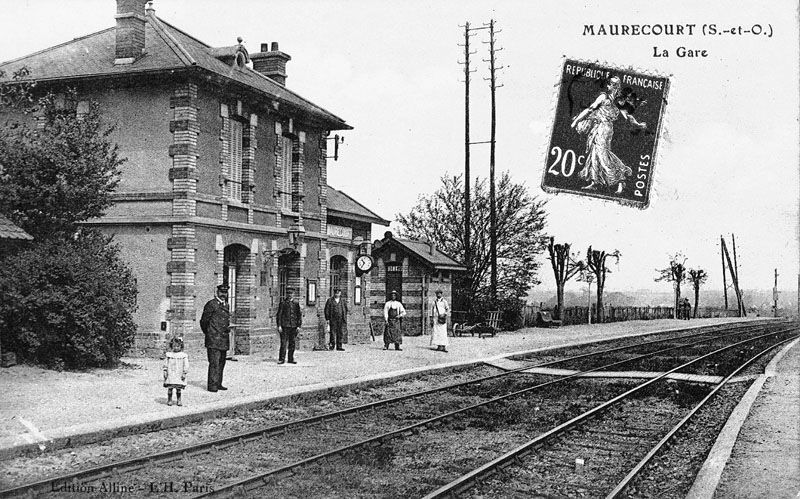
{"points": [[176, 366]]}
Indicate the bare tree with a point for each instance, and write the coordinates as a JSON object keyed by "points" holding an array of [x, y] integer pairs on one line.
{"points": [[698, 277], [596, 261], [565, 267], [676, 272]]}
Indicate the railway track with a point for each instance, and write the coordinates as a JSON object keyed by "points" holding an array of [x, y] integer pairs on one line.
{"points": [[120, 469], [598, 428], [270, 482]]}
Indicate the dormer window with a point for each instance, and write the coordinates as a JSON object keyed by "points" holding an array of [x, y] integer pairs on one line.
{"points": [[235, 55]]}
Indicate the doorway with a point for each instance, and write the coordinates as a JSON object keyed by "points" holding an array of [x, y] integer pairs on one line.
{"points": [[233, 260], [394, 281], [338, 275]]}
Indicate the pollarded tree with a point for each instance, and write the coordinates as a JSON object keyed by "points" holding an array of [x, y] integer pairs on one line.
{"points": [[565, 266], [596, 262], [675, 273], [521, 219], [698, 277]]}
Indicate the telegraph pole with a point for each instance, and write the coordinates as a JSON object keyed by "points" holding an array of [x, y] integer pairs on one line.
{"points": [[775, 296], [724, 277], [492, 195], [735, 279], [467, 176], [736, 266]]}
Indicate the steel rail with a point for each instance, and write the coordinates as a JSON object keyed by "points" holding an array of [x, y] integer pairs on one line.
{"points": [[465, 482], [137, 462], [663, 442], [269, 475]]}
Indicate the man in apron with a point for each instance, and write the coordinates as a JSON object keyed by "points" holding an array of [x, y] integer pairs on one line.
{"points": [[392, 312]]}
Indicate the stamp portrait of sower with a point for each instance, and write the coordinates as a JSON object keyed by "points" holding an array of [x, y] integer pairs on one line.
{"points": [[605, 133]]}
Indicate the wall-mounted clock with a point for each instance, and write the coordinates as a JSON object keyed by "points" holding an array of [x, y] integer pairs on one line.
{"points": [[364, 263]]}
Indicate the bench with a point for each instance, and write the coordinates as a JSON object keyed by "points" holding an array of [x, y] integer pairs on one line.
{"points": [[490, 326], [545, 319]]}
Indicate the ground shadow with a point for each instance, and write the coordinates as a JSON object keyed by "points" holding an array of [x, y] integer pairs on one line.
{"points": [[199, 384]]}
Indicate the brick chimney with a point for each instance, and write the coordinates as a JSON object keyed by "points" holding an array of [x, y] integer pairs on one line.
{"points": [[270, 62], [130, 31]]}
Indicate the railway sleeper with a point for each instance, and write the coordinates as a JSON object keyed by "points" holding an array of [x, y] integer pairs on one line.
{"points": [[607, 445], [625, 434]]}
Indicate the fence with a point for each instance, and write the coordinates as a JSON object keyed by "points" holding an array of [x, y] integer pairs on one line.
{"points": [[579, 315]]}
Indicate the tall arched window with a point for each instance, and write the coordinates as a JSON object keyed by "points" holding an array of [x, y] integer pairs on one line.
{"points": [[338, 275], [233, 259]]}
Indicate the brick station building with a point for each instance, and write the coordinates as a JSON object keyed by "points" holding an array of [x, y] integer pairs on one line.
{"points": [[225, 179], [416, 270]]}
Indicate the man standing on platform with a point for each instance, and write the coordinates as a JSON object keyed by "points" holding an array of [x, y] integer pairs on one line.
{"points": [[336, 315], [215, 323], [289, 319]]}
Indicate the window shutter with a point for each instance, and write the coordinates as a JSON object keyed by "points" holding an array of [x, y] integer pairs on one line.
{"points": [[236, 160], [286, 176]]}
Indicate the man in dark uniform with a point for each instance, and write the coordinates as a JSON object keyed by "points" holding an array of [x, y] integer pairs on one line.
{"points": [[215, 323], [336, 315], [289, 318]]}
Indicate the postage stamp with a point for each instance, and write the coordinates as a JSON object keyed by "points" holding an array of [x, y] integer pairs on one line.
{"points": [[605, 133]]}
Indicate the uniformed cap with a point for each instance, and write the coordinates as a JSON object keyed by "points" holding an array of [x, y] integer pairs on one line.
{"points": [[223, 287], [393, 292]]}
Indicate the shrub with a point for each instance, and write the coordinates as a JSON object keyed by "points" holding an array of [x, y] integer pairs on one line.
{"points": [[68, 303]]}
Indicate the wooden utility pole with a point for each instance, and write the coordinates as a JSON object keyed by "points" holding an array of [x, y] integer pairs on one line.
{"points": [[724, 277], [738, 286], [735, 280], [492, 195], [775, 296], [467, 176]]}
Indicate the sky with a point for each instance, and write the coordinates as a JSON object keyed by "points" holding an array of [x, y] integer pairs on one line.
{"points": [[728, 157]]}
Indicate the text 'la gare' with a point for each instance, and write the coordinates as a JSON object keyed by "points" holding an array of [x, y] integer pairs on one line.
{"points": [[681, 52]]}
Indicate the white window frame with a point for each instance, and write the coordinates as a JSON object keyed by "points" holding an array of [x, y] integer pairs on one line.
{"points": [[357, 289]]}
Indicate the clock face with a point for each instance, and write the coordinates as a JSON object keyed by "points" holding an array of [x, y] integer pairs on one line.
{"points": [[364, 263]]}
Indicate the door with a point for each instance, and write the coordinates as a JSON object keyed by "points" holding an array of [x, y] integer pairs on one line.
{"points": [[394, 281]]}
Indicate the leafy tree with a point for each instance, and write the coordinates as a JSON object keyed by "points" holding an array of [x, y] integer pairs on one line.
{"points": [[59, 172], [565, 266], [596, 262], [17, 93], [521, 219], [698, 277], [676, 273], [68, 302]]}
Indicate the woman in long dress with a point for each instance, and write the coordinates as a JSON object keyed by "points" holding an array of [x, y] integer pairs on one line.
{"points": [[603, 168], [440, 310], [392, 312]]}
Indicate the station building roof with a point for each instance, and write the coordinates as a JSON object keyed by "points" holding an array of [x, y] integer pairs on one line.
{"points": [[343, 206], [420, 250], [168, 50]]}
